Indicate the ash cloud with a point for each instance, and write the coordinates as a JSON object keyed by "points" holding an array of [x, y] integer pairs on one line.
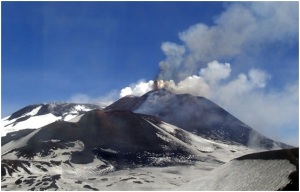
{"points": [[240, 36], [203, 63], [240, 32], [215, 62], [245, 96]]}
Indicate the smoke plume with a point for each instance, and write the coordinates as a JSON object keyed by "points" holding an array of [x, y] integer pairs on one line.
{"points": [[204, 62], [245, 96], [222, 62], [243, 30]]}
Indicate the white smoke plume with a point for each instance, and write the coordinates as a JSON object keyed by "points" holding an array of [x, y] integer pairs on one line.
{"points": [[245, 96], [240, 36], [215, 62], [239, 33], [137, 89]]}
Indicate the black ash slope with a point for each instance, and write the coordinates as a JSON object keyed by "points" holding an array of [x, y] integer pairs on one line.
{"points": [[120, 137], [195, 114]]}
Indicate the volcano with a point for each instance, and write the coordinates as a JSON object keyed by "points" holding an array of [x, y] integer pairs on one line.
{"points": [[159, 141], [195, 114]]}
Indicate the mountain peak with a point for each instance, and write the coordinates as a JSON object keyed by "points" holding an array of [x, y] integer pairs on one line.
{"points": [[159, 91], [195, 114]]}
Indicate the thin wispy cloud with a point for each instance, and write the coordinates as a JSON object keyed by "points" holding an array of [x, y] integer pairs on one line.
{"points": [[240, 32]]}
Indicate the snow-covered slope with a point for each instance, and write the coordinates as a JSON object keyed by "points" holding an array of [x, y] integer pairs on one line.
{"points": [[114, 150], [123, 132], [195, 114], [105, 144], [264, 171], [36, 116]]}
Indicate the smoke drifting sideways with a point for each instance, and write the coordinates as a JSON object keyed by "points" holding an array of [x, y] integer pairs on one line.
{"points": [[241, 32], [240, 35], [245, 96], [213, 62]]}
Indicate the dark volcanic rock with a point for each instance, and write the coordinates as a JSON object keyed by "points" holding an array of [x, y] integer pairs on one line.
{"points": [[15, 135], [58, 109], [121, 137], [22, 111], [195, 114]]}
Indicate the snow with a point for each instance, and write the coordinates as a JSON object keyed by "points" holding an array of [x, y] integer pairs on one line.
{"points": [[208, 148], [209, 174], [164, 133], [81, 108], [16, 144], [203, 175], [69, 117], [31, 123], [34, 122], [168, 127], [109, 150], [34, 111], [245, 175], [5, 118], [74, 119]]}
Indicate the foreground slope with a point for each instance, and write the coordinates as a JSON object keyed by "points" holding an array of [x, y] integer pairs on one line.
{"points": [[271, 170], [115, 134], [195, 114], [122, 150], [102, 147]]}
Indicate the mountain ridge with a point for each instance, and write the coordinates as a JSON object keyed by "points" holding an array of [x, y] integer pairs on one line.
{"points": [[196, 114], [117, 149]]}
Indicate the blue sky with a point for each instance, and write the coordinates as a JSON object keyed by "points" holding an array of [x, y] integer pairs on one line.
{"points": [[58, 51], [51, 50]]}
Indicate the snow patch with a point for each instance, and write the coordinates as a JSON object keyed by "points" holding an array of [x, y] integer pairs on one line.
{"points": [[74, 119], [81, 108], [34, 111], [31, 123], [69, 117], [168, 127], [245, 175]]}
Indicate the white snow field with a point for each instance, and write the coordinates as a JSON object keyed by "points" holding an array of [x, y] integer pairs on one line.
{"points": [[56, 172], [245, 175], [31, 120], [50, 164], [31, 123]]}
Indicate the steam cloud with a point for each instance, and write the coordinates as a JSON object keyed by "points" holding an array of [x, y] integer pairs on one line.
{"points": [[197, 66], [240, 32]]}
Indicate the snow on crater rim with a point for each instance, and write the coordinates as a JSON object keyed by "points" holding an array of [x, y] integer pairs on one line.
{"points": [[75, 119], [34, 111], [81, 108]]}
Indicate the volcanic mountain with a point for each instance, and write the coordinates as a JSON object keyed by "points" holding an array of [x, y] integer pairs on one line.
{"points": [[195, 114], [36, 116], [117, 135], [99, 142], [61, 146], [258, 171]]}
